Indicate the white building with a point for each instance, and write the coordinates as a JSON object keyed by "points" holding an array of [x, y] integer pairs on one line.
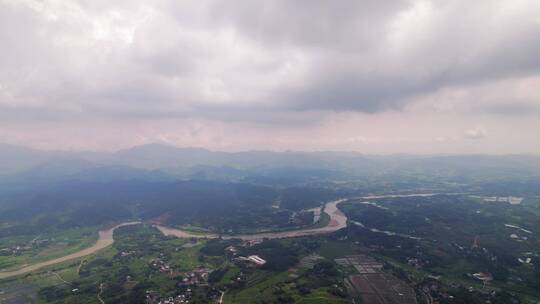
{"points": [[256, 259]]}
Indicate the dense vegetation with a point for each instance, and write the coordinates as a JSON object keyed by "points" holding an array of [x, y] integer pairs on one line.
{"points": [[455, 237], [224, 207]]}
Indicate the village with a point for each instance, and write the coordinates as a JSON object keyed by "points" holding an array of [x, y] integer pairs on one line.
{"points": [[22, 248], [197, 279]]}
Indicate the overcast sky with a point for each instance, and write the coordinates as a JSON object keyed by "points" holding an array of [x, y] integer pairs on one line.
{"points": [[370, 76]]}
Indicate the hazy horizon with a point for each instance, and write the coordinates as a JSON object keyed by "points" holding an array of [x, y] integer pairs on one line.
{"points": [[400, 77], [169, 145]]}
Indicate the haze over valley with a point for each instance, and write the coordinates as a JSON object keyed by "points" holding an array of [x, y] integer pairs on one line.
{"points": [[233, 152]]}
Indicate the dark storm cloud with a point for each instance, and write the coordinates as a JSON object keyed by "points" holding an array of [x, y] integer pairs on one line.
{"points": [[445, 62], [240, 60], [467, 43]]}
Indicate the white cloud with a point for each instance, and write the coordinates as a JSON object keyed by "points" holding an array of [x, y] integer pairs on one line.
{"points": [[424, 70], [475, 133]]}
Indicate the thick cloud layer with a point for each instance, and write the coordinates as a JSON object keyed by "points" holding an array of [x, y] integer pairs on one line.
{"points": [[281, 67]]}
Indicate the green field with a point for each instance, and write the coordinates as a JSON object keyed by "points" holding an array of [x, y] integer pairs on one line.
{"points": [[61, 243]]}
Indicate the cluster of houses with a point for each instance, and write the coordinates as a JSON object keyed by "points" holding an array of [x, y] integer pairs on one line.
{"points": [[161, 265], [153, 297], [14, 250], [415, 262], [19, 249], [432, 288], [195, 277]]}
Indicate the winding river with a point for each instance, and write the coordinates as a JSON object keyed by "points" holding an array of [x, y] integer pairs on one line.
{"points": [[338, 220]]}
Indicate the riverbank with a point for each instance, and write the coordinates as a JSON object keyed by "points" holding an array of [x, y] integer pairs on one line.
{"points": [[105, 239], [337, 221]]}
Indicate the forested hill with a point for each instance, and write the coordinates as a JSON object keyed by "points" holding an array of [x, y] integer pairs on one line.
{"points": [[219, 206]]}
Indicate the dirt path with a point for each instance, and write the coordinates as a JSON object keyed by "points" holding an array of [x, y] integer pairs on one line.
{"points": [[80, 265], [60, 278], [99, 294], [220, 301]]}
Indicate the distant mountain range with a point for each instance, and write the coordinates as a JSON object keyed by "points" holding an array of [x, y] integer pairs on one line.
{"points": [[192, 184], [162, 162]]}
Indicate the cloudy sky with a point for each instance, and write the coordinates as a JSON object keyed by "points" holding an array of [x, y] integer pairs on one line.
{"points": [[370, 76]]}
